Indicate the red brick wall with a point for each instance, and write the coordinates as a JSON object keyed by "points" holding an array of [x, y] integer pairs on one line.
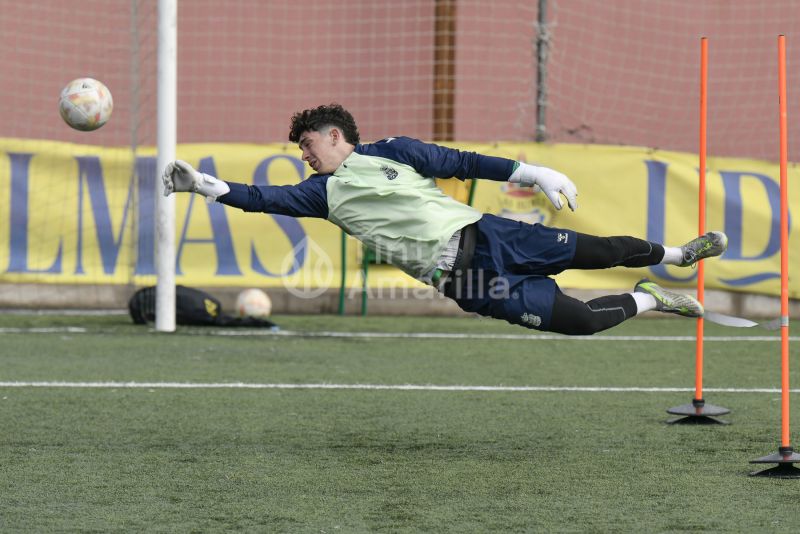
{"points": [[619, 72]]}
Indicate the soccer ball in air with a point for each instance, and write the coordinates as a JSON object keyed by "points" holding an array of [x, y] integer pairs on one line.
{"points": [[85, 104], [253, 303]]}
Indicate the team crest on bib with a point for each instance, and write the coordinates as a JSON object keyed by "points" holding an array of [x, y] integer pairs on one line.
{"points": [[389, 172]]}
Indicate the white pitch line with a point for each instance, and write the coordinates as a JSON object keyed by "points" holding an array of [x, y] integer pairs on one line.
{"points": [[376, 387], [402, 335], [44, 330], [460, 335]]}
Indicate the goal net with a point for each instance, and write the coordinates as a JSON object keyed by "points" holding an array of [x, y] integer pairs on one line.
{"points": [[77, 209], [627, 73]]}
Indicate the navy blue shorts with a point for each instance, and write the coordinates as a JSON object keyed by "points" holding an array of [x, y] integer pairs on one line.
{"points": [[509, 277]]}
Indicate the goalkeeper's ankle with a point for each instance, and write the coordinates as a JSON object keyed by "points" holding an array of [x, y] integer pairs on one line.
{"points": [[672, 256], [644, 302]]}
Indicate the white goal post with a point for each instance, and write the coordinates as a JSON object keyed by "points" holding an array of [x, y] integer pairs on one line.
{"points": [[166, 140]]}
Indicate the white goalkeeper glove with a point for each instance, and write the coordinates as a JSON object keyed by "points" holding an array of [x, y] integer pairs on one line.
{"points": [[551, 183], [180, 176]]}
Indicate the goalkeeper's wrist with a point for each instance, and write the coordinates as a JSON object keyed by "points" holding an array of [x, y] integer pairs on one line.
{"points": [[519, 172], [211, 187]]}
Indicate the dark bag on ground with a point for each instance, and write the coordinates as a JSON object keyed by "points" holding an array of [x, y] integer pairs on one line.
{"points": [[193, 307]]}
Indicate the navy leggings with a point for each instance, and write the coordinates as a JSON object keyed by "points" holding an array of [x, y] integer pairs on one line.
{"points": [[574, 317]]}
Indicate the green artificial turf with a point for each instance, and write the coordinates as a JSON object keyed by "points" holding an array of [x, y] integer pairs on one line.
{"points": [[161, 459]]}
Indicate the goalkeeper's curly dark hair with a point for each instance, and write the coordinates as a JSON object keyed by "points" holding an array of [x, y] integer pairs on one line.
{"points": [[317, 118]]}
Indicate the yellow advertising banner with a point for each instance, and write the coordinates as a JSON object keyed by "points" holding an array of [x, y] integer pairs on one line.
{"points": [[654, 195], [85, 214]]}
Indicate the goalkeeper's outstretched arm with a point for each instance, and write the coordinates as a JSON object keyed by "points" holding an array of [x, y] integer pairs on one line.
{"points": [[306, 199], [437, 161]]}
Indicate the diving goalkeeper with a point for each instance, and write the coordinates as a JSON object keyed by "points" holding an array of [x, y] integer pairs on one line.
{"points": [[384, 194]]}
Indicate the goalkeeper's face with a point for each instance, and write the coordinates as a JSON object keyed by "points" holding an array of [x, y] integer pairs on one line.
{"points": [[324, 150]]}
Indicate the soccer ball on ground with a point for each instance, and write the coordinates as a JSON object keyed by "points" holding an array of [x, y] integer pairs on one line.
{"points": [[85, 104], [253, 303]]}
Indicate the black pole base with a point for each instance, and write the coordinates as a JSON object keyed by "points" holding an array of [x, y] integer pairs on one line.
{"points": [[785, 457], [779, 471], [698, 413], [697, 420]]}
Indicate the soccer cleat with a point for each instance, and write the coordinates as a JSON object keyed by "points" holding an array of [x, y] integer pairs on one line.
{"points": [[669, 301], [705, 246]]}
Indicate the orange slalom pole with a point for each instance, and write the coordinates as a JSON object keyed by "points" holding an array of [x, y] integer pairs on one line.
{"points": [[698, 411], [785, 441], [701, 223], [786, 456]]}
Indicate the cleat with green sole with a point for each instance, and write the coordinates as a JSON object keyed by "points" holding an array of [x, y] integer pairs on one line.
{"points": [[706, 246], [670, 302]]}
